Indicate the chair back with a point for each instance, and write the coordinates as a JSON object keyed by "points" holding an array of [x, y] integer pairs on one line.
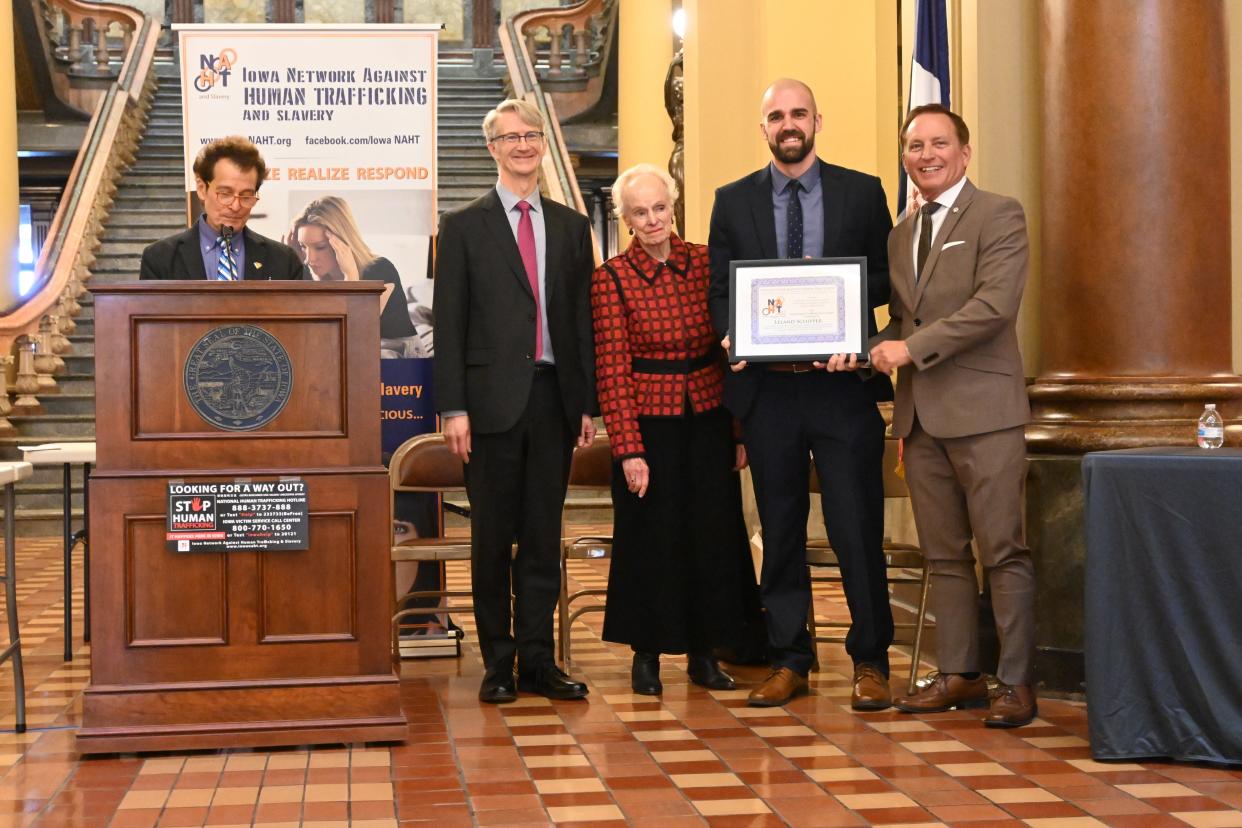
{"points": [[894, 484], [424, 464], [592, 465]]}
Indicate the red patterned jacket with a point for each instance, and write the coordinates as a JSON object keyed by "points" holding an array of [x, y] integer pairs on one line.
{"points": [[654, 342]]}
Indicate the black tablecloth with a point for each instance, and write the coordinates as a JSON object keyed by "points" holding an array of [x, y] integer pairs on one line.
{"points": [[1163, 634]]}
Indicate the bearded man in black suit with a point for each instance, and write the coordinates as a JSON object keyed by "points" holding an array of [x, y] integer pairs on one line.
{"points": [[515, 387], [799, 206], [228, 174]]}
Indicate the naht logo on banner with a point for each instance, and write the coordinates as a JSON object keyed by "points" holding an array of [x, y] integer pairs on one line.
{"points": [[214, 70]]}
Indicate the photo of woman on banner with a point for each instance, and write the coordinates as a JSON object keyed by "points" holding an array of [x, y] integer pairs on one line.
{"points": [[327, 237]]}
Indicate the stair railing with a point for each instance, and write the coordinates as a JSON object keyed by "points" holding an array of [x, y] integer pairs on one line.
{"points": [[517, 42], [33, 333]]}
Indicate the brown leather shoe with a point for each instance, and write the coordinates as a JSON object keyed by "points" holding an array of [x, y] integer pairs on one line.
{"points": [[871, 690], [780, 686], [946, 692], [1013, 706]]}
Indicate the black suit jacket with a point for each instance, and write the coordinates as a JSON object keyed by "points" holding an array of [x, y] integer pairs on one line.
{"points": [[743, 226], [178, 257], [485, 314]]}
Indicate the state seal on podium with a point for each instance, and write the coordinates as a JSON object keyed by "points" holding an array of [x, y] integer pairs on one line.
{"points": [[238, 377]]}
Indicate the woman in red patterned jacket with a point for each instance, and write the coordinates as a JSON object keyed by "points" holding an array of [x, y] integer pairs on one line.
{"points": [[681, 571]]}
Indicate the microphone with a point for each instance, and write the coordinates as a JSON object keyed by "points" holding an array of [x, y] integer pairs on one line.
{"points": [[227, 232]]}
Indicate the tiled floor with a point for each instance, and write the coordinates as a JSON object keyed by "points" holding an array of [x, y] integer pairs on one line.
{"points": [[689, 758]]}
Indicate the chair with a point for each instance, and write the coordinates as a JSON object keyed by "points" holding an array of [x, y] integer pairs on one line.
{"points": [[899, 559], [66, 454], [10, 473], [425, 464], [591, 469]]}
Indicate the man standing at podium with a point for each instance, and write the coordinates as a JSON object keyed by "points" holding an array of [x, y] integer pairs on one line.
{"points": [[514, 380], [229, 173]]}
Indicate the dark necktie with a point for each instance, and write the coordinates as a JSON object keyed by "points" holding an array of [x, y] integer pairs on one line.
{"points": [[925, 236], [526, 246], [793, 222]]}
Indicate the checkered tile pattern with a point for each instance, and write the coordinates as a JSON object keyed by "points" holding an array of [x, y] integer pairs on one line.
{"points": [[690, 757], [652, 310]]}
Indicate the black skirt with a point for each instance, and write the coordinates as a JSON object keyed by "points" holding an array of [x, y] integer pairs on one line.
{"points": [[681, 578]]}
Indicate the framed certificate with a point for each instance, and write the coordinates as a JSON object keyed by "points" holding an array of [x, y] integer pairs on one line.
{"points": [[798, 309]]}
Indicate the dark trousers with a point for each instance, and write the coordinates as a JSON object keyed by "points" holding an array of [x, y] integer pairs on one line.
{"points": [[516, 481], [832, 419]]}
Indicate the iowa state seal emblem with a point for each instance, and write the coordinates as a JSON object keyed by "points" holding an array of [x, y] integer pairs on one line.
{"points": [[238, 377]]}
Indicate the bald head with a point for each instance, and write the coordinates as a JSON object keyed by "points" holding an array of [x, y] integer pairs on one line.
{"points": [[786, 85], [789, 121]]}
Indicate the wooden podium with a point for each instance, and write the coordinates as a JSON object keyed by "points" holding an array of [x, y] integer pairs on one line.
{"points": [[239, 648]]}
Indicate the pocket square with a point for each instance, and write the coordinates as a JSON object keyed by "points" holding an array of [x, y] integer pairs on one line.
{"points": [[947, 245]]}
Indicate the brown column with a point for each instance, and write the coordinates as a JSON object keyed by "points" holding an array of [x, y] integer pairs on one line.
{"points": [[1135, 304]]}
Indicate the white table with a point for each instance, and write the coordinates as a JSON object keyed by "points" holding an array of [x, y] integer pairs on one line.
{"points": [[10, 473], [66, 454]]}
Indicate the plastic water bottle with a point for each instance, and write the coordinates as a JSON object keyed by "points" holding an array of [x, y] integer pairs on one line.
{"points": [[1211, 428]]}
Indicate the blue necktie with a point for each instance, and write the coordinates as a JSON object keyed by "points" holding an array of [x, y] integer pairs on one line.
{"points": [[226, 269]]}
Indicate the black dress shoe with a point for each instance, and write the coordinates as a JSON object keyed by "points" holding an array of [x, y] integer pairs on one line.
{"points": [[550, 682], [645, 674], [705, 672], [498, 686]]}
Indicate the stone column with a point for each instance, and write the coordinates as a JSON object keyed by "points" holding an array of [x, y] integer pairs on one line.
{"points": [[1135, 302], [1135, 310]]}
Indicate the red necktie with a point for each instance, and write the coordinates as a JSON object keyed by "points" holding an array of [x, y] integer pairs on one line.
{"points": [[526, 246]]}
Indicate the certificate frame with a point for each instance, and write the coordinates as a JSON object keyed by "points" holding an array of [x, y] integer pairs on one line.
{"points": [[783, 310]]}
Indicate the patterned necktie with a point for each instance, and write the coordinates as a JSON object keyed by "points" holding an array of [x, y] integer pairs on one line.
{"points": [[226, 269], [925, 236], [793, 222], [526, 246]]}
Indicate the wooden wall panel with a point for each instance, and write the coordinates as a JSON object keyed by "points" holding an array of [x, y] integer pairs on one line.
{"points": [[323, 606], [171, 599]]}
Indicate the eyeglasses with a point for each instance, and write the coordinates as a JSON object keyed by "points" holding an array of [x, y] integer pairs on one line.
{"points": [[227, 198], [511, 138]]}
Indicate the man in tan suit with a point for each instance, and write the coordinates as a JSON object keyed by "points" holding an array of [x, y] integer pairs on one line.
{"points": [[958, 268]]}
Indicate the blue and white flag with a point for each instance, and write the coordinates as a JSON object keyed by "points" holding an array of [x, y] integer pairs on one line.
{"points": [[929, 79]]}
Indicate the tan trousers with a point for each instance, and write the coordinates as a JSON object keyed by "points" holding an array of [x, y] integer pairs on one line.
{"points": [[966, 486]]}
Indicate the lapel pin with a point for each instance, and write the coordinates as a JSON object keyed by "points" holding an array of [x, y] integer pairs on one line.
{"points": [[258, 265], [955, 209]]}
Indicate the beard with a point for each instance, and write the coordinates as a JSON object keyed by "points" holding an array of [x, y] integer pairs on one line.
{"points": [[791, 154]]}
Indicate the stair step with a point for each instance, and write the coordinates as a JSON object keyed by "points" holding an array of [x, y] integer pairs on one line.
{"points": [[121, 248], [46, 477], [41, 427], [39, 523], [68, 404], [155, 178], [159, 153], [155, 167], [75, 385], [149, 231], [49, 498], [154, 203]]}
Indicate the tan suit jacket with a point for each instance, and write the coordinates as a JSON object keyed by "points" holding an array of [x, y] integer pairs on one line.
{"points": [[959, 320]]}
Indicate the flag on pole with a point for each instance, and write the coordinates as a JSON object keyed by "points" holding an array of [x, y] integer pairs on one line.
{"points": [[929, 78]]}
